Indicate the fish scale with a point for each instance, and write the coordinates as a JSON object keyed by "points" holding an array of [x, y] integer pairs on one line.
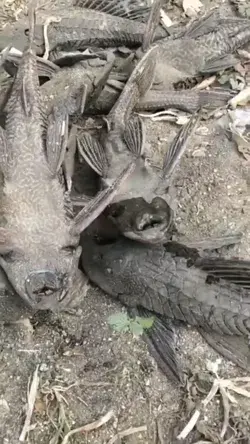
{"points": [[158, 281]]}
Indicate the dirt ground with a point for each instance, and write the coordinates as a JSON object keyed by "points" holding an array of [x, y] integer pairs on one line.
{"points": [[86, 370]]}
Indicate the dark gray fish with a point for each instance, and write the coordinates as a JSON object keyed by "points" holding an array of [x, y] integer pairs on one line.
{"points": [[39, 237], [81, 28], [206, 47], [152, 221], [175, 282], [159, 100]]}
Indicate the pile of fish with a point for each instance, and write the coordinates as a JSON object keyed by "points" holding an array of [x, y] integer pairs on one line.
{"points": [[112, 59]]}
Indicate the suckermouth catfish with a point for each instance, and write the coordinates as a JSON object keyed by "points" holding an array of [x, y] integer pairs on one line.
{"points": [[39, 238], [204, 46], [96, 88], [147, 181], [70, 88], [80, 28], [176, 283]]}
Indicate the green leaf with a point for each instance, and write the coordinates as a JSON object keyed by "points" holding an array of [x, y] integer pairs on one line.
{"points": [[119, 321], [145, 322], [136, 328]]}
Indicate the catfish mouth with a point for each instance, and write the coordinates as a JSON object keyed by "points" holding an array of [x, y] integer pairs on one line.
{"points": [[45, 289], [152, 224]]}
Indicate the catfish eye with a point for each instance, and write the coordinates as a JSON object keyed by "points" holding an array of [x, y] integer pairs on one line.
{"points": [[70, 249], [26, 32], [9, 257]]}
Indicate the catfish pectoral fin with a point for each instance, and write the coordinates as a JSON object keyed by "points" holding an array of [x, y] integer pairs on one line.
{"points": [[233, 270], [98, 204], [161, 341], [213, 243], [69, 158], [93, 152], [152, 23], [137, 85], [101, 80], [234, 348], [134, 135], [81, 201], [45, 68], [219, 63], [5, 154], [56, 140], [178, 147]]}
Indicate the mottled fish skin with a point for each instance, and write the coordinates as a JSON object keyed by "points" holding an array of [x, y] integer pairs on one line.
{"points": [[72, 88], [186, 57], [158, 100], [68, 88], [80, 28], [38, 253]]}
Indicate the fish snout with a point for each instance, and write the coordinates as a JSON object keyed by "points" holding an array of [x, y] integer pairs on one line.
{"points": [[46, 289], [153, 225]]}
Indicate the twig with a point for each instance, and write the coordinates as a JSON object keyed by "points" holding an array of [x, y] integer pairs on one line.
{"points": [[45, 34], [89, 427], [193, 420], [205, 83], [226, 408], [30, 407], [127, 432]]}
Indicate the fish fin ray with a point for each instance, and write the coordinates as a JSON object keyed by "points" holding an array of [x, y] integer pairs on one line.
{"points": [[5, 153], [133, 10], [234, 348], [178, 147], [56, 140], [97, 205], [161, 342], [137, 85], [93, 152], [214, 243], [152, 23], [235, 271], [134, 135], [216, 64]]}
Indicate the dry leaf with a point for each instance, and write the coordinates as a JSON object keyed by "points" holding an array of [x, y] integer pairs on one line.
{"points": [[241, 99], [205, 83], [165, 19], [192, 7]]}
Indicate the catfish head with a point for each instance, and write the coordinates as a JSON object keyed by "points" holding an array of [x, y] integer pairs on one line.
{"points": [[41, 269], [142, 221]]}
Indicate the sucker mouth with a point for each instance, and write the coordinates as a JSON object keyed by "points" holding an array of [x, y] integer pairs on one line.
{"points": [[146, 221], [41, 285]]}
